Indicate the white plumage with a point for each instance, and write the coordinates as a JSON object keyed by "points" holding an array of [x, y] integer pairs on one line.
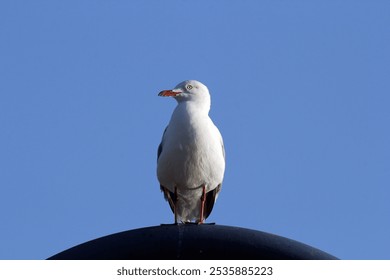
{"points": [[191, 156]]}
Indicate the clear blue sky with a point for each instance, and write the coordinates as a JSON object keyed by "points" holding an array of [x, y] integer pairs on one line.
{"points": [[300, 92]]}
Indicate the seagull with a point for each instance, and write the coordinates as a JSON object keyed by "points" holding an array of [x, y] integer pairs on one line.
{"points": [[191, 155]]}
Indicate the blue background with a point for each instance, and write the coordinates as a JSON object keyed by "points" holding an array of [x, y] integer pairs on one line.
{"points": [[300, 92]]}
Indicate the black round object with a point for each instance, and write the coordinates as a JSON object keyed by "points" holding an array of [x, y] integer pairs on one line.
{"points": [[190, 242]]}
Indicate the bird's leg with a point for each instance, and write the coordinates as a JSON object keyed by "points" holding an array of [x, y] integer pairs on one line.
{"points": [[174, 206], [202, 202]]}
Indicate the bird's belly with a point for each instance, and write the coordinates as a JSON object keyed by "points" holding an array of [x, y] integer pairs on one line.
{"points": [[188, 167]]}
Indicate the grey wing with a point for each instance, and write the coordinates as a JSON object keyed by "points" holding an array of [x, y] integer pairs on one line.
{"points": [[219, 187], [211, 196], [223, 149], [169, 196], [160, 147]]}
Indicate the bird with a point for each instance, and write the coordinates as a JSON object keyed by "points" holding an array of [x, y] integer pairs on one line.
{"points": [[191, 155]]}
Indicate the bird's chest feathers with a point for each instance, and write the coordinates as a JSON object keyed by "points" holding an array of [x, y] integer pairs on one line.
{"points": [[191, 139], [190, 142]]}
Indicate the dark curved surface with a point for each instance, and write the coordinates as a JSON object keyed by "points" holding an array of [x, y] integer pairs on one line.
{"points": [[191, 241]]}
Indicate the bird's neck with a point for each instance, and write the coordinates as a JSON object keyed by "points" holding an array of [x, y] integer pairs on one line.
{"points": [[192, 109]]}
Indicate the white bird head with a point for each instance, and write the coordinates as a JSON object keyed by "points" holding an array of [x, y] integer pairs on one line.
{"points": [[189, 90]]}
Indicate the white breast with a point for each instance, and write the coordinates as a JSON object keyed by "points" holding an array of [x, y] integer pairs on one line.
{"points": [[192, 152]]}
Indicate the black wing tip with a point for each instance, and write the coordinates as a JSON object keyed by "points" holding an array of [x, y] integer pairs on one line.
{"points": [[210, 200], [170, 197]]}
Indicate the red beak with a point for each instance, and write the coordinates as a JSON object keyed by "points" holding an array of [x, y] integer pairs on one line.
{"points": [[169, 93]]}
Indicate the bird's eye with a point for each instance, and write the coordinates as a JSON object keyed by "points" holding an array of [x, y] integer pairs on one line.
{"points": [[189, 87]]}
